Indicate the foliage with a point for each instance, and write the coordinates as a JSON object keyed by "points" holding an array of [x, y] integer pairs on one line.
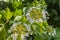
{"points": [[25, 20]]}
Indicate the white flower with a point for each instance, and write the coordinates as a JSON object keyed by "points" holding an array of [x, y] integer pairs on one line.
{"points": [[23, 36], [13, 27], [14, 36], [41, 20], [54, 32], [28, 18], [28, 14], [34, 11], [31, 21], [27, 26], [27, 34], [44, 14], [29, 10]]}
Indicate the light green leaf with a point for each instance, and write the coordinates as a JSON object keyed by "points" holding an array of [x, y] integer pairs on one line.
{"points": [[24, 19], [7, 14], [0, 16], [17, 12], [15, 4]]}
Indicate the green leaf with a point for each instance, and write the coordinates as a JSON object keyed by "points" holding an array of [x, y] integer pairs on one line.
{"points": [[2, 33], [15, 4], [38, 37], [0, 16], [7, 14], [45, 23], [17, 12], [24, 19]]}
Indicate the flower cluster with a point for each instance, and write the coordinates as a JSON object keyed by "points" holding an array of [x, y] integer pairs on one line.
{"points": [[26, 21], [17, 29], [35, 14]]}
